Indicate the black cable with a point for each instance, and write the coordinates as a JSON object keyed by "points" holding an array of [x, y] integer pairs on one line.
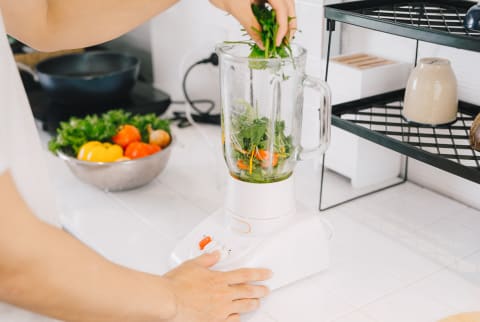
{"points": [[201, 116]]}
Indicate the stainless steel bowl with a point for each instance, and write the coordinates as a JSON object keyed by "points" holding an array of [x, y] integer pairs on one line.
{"points": [[119, 176]]}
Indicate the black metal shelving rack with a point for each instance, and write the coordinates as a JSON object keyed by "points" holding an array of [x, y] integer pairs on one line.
{"points": [[378, 118]]}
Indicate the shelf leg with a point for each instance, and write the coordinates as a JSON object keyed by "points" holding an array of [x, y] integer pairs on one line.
{"points": [[330, 29], [404, 178], [416, 54]]}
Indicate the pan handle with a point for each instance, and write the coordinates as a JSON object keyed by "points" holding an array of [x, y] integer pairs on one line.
{"points": [[27, 69]]}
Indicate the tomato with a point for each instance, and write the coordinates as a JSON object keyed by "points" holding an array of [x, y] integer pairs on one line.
{"points": [[127, 135], [242, 165], [262, 155], [273, 162], [266, 158], [136, 150]]}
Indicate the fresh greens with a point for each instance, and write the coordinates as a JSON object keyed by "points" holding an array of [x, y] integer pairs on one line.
{"points": [[73, 134], [259, 148], [267, 19]]}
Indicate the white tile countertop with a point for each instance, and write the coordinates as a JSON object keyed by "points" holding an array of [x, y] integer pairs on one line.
{"points": [[402, 255]]}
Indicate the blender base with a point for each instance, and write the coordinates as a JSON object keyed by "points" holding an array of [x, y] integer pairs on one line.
{"points": [[294, 251]]}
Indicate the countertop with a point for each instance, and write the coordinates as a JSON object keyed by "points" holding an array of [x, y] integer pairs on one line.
{"points": [[404, 254]]}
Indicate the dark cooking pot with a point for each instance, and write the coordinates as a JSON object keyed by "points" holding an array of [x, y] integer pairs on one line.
{"points": [[90, 77]]}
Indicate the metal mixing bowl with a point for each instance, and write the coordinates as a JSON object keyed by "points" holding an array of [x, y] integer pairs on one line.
{"points": [[119, 176]]}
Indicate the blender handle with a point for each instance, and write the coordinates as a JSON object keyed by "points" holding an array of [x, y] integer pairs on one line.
{"points": [[325, 114]]}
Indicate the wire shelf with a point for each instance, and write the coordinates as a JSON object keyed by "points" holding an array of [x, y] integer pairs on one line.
{"points": [[435, 21], [379, 119]]}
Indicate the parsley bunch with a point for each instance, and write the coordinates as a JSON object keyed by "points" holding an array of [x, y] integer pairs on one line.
{"points": [[267, 19]]}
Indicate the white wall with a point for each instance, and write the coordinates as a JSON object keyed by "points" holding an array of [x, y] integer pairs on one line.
{"points": [[138, 43], [467, 69], [183, 35]]}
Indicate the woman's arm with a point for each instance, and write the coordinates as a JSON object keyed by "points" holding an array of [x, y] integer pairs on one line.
{"points": [[50, 25], [43, 269]]}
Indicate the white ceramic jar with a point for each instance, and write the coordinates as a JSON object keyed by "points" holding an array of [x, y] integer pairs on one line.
{"points": [[431, 95]]}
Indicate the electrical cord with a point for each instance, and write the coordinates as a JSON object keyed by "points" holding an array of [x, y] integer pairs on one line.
{"points": [[201, 116]]}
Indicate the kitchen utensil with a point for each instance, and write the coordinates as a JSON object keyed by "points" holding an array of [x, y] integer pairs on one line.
{"points": [[431, 95], [119, 176], [261, 224], [143, 99], [472, 18], [86, 78]]}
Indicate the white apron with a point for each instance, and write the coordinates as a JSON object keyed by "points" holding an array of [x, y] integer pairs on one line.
{"points": [[22, 154]]}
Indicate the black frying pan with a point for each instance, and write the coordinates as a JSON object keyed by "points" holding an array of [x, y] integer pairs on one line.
{"points": [[90, 77]]}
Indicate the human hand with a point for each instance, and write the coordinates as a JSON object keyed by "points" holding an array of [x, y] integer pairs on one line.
{"points": [[203, 295], [242, 11]]}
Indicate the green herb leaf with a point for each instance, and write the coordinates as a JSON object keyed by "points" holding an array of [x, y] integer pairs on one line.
{"points": [[266, 17], [76, 132]]}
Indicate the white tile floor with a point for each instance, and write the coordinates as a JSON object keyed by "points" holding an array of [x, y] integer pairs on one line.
{"points": [[405, 254]]}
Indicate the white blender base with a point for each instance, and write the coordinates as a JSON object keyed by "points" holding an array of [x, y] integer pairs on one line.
{"points": [[294, 252]]}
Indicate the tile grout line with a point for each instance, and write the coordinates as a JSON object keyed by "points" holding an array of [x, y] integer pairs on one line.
{"points": [[458, 261], [359, 311], [443, 195], [411, 231], [191, 202], [145, 221], [392, 292]]}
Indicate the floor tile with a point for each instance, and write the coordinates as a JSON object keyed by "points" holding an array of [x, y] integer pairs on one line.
{"points": [[357, 273], [408, 305], [305, 301], [205, 192], [470, 218], [199, 180], [120, 237], [450, 239], [163, 209], [363, 284], [357, 244], [451, 289], [408, 206], [356, 316], [427, 232], [468, 268]]}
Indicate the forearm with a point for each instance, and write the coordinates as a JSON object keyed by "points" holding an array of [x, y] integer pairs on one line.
{"points": [[58, 24], [45, 270]]}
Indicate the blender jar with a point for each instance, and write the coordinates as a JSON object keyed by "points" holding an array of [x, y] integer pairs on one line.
{"points": [[262, 109]]}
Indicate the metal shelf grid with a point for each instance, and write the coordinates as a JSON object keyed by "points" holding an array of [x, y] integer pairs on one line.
{"points": [[379, 119], [435, 21]]}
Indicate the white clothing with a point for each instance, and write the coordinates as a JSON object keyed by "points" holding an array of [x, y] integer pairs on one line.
{"points": [[20, 148], [21, 154]]}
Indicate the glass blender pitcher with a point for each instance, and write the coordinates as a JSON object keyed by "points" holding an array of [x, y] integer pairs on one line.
{"points": [[262, 111], [261, 224], [262, 108]]}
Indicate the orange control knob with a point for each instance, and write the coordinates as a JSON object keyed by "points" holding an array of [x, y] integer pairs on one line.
{"points": [[204, 242]]}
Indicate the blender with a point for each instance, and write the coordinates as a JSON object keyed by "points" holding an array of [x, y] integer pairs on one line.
{"points": [[261, 224]]}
